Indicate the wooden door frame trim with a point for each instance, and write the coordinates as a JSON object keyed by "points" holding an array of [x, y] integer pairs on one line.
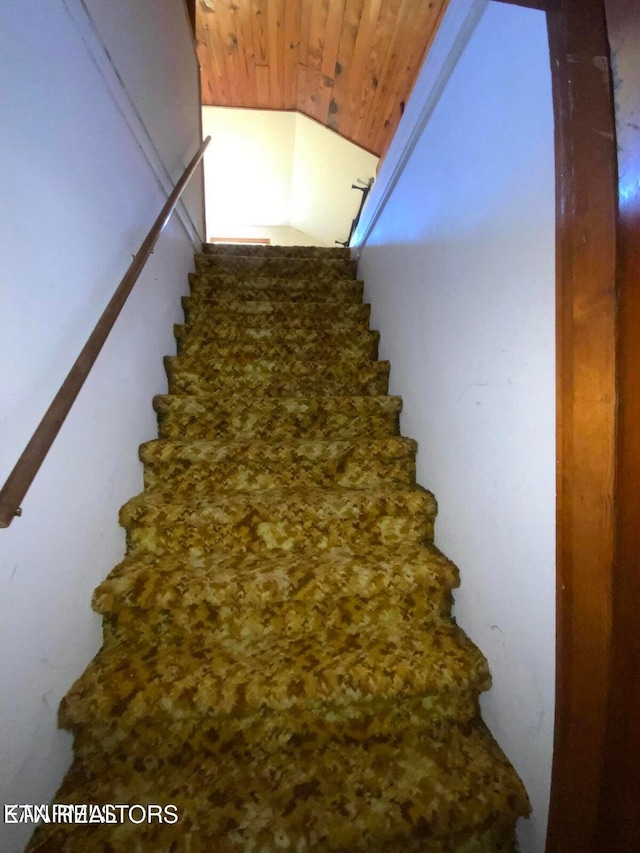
{"points": [[587, 377], [586, 207], [620, 802]]}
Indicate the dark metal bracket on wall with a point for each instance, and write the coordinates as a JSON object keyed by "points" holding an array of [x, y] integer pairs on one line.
{"points": [[365, 188]]}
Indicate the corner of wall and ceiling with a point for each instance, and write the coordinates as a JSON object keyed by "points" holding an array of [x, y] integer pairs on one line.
{"points": [[457, 26], [101, 57]]}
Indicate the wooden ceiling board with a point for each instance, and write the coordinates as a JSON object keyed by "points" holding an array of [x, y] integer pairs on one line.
{"points": [[306, 7], [333, 30], [347, 113], [390, 108], [376, 120], [313, 89], [291, 37], [365, 116], [349, 64], [350, 25], [258, 16]]}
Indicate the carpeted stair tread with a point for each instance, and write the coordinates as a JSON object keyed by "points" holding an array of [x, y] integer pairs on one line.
{"points": [[280, 519], [265, 368], [432, 792], [250, 581], [252, 250], [267, 729], [188, 468], [236, 288], [287, 356], [201, 678], [207, 416], [302, 315], [244, 334], [248, 342], [278, 593], [270, 619], [274, 267], [281, 377]]}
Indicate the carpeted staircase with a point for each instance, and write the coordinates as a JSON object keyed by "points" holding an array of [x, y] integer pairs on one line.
{"points": [[279, 657]]}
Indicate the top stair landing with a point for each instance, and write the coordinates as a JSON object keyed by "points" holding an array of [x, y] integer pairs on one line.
{"points": [[230, 250]]}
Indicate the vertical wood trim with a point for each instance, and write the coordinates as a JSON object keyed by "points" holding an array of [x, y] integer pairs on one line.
{"points": [[586, 401], [620, 801]]}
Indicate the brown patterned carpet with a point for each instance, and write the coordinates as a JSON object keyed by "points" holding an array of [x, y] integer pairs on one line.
{"points": [[279, 657]]}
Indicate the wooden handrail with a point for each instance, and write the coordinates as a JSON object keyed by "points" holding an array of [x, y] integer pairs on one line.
{"points": [[33, 456]]}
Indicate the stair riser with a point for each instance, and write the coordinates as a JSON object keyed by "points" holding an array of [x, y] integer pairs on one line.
{"points": [[431, 803], [135, 626], [258, 526], [206, 682], [316, 582], [200, 538], [223, 299], [77, 838], [191, 837], [312, 268], [180, 424], [252, 250], [258, 369], [323, 345], [163, 736], [442, 798], [228, 290], [279, 348], [319, 418], [242, 334], [374, 382], [278, 315], [204, 318], [178, 469], [180, 480]]}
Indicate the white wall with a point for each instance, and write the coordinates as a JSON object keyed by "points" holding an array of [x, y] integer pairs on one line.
{"points": [[78, 198], [268, 168], [278, 235], [151, 44], [324, 167], [460, 272], [247, 168]]}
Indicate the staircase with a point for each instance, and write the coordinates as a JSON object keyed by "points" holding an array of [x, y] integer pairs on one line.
{"points": [[279, 658]]}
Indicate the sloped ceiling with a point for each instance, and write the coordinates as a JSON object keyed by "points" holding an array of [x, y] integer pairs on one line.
{"points": [[348, 64]]}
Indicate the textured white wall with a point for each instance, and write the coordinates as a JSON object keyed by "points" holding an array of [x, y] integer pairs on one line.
{"points": [[78, 198], [266, 168], [460, 272]]}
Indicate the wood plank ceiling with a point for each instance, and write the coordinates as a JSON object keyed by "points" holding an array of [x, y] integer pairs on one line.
{"points": [[349, 64]]}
